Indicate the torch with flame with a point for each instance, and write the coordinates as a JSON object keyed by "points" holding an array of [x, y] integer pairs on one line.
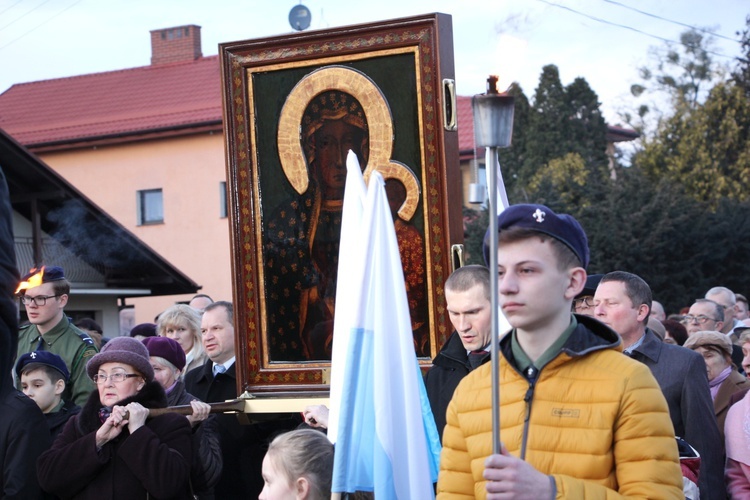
{"points": [[34, 279]]}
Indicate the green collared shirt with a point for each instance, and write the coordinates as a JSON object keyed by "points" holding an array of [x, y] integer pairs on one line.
{"points": [[73, 346], [523, 362]]}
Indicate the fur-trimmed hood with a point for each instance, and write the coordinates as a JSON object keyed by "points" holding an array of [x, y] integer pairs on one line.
{"points": [[151, 396]]}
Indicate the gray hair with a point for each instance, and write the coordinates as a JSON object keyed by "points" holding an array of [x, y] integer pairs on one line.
{"points": [[722, 290], [718, 308]]}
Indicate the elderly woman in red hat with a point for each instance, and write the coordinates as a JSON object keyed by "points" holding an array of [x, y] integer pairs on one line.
{"points": [[111, 449], [723, 377]]}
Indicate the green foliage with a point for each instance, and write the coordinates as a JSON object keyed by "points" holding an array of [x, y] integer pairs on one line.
{"points": [[678, 78], [562, 121], [566, 182], [652, 230], [680, 216], [741, 74], [549, 124], [512, 158], [705, 149], [475, 226]]}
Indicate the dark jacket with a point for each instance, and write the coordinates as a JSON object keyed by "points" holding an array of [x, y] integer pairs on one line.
{"points": [[23, 432], [56, 420], [154, 460], [207, 458], [8, 282], [243, 446], [23, 437], [681, 374], [449, 367]]}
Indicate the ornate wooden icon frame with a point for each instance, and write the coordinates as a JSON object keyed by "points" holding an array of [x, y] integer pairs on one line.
{"points": [[266, 84]]}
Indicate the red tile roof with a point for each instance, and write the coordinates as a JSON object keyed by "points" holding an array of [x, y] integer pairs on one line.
{"points": [[135, 101], [465, 120], [144, 102]]}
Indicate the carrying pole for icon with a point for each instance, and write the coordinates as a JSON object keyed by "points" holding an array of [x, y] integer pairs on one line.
{"points": [[493, 129]]}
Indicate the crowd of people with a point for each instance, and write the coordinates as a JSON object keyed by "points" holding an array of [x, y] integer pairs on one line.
{"points": [[602, 391]]}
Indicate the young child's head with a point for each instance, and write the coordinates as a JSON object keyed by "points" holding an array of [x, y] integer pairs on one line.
{"points": [[43, 378], [298, 464]]}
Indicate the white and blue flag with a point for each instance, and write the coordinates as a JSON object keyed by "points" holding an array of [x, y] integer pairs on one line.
{"points": [[385, 435]]}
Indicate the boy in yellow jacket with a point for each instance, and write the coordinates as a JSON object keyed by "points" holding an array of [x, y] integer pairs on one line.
{"points": [[577, 418]]}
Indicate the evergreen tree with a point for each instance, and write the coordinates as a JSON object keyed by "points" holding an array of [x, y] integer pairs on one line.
{"points": [[476, 223], [741, 74], [549, 124], [512, 158], [588, 129], [705, 149]]}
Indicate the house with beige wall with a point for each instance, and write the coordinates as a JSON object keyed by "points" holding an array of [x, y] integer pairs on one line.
{"points": [[146, 145], [106, 265]]}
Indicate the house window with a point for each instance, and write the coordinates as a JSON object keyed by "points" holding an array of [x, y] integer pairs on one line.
{"points": [[150, 207], [223, 208]]}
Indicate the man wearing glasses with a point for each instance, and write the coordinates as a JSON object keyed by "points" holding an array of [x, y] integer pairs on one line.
{"points": [[728, 302], [708, 315], [44, 294], [584, 301]]}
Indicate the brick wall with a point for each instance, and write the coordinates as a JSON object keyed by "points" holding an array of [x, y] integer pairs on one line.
{"points": [[181, 43]]}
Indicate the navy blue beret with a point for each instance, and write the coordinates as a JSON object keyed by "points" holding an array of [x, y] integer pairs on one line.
{"points": [[562, 227], [36, 277], [43, 358], [51, 273]]}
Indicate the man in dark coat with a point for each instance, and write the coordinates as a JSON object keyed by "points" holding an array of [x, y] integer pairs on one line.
{"points": [[467, 296], [243, 446], [622, 302], [23, 431]]}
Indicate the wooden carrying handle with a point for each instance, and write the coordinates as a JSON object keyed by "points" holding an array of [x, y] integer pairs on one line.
{"points": [[225, 407]]}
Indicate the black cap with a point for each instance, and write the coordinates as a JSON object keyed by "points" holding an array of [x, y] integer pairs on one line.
{"points": [[592, 281], [43, 358], [562, 227]]}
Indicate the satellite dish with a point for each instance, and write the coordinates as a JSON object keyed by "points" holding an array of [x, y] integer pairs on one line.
{"points": [[299, 17]]}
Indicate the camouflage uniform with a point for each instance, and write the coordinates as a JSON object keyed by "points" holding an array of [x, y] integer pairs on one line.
{"points": [[72, 345]]}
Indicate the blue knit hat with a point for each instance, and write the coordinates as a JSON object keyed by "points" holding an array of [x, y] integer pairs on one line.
{"points": [[562, 227]]}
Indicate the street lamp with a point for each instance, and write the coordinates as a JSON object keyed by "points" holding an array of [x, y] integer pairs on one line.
{"points": [[493, 129]]}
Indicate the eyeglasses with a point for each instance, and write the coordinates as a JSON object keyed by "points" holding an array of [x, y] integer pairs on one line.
{"points": [[701, 319], [116, 378], [39, 300], [584, 301]]}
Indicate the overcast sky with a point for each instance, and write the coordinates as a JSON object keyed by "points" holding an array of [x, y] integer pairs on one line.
{"points": [[42, 39]]}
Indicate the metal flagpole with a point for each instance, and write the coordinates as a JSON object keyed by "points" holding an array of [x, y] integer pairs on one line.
{"points": [[493, 127]]}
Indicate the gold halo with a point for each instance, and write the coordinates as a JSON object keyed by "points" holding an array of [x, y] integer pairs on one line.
{"points": [[379, 119]]}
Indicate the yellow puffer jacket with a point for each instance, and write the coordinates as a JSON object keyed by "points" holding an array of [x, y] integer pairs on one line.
{"points": [[598, 424]]}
